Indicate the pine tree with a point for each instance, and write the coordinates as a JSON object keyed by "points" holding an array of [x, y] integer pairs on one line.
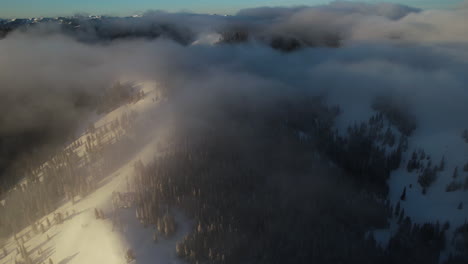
{"points": [[397, 209], [442, 164], [455, 172], [453, 186], [403, 195]]}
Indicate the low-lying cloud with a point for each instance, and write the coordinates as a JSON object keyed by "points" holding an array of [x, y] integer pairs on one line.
{"points": [[419, 56]]}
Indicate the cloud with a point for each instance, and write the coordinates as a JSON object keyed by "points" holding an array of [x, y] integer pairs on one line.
{"points": [[390, 11], [391, 50]]}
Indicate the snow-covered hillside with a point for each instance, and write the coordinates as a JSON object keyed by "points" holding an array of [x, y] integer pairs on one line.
{"points": [[82, 238], [436, 204]]}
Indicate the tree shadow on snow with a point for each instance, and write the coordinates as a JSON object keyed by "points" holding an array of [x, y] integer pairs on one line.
{"points": [[41, 244], [45, 255], [68, 259]]}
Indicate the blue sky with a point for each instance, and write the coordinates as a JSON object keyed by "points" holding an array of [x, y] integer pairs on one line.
{"points": [[30, 8]]}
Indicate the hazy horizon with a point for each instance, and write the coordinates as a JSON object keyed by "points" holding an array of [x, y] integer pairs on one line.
{"points": [[52, 8]]}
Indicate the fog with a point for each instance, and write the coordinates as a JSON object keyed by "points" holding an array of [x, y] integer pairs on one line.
{"points": [[417, 57]]}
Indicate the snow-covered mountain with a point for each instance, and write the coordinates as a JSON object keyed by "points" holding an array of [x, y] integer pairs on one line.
{"points": [[328, 134]]}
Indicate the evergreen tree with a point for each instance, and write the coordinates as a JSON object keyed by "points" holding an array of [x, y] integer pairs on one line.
{"points": [[442, 164], [96, 213], [453, 186], [403, 195], [397, 209], [455, 172]]}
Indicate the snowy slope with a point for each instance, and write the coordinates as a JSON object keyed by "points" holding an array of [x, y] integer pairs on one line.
{"points": [[437, 205], [82, 238]]}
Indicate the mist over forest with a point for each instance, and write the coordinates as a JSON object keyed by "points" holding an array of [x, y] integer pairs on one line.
{"points": [[309, 134]]}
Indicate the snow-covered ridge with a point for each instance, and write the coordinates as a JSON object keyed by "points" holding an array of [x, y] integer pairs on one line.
{"points": [[73, 234]]}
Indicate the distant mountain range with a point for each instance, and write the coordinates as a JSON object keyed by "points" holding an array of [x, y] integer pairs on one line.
{"points": [[285, 29], [95, 28]]}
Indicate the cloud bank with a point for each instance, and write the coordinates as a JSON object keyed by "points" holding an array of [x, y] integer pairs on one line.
{"points": [[419, 58]]}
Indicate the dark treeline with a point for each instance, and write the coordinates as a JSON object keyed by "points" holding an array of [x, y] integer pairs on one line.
{"points": [[280, 185], [151, 26], [415, 243], [368, 152], [154, 25], [284, 43], [458, 183], [397, 113], [422, 164], [460, 244], [117, 95], [104, 29]]}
